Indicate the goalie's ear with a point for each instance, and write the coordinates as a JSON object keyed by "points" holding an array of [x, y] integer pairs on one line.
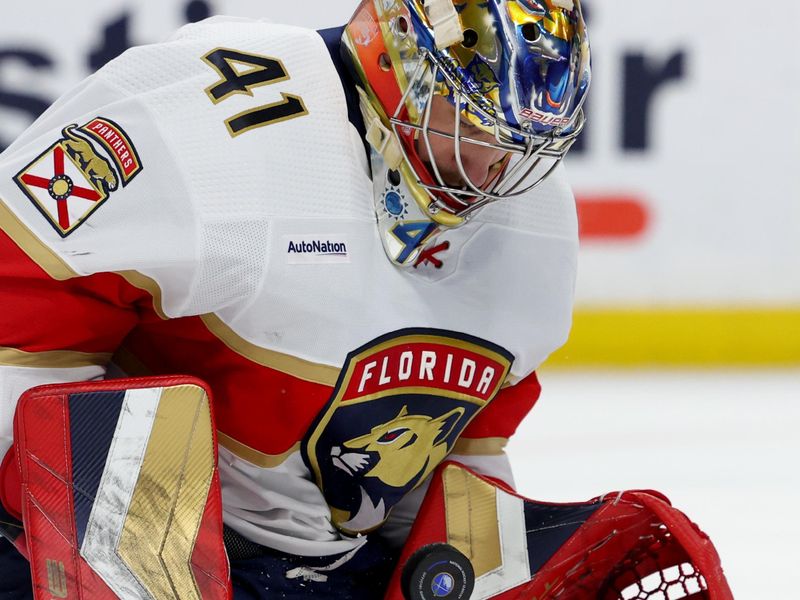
{"points": [[447, 423], [120, 490]]}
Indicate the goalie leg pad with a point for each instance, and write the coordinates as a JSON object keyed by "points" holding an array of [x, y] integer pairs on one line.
{"points": [[120, 490], [622, 545]]}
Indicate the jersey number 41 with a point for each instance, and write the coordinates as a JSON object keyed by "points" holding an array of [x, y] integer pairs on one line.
{"points": [[239, 73]]}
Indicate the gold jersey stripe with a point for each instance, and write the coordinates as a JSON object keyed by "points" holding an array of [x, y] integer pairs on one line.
{"points": [[285, 363], [133, 367], [149, 285], [702, 337], [56, 268], [54, 265], [48, 260], [253, 456], [167, 505], [471, 515], [480, 447], [53, 359]]}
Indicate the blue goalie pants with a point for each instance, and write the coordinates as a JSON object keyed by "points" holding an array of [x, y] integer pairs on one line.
{"points": [[265, 573], [15, 576], [363, 574]]}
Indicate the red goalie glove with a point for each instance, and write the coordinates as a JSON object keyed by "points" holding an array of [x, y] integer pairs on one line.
{"points": [[473, 539]]}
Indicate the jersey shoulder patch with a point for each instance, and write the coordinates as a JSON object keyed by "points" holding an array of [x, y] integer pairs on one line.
{"points": [[79, 171]]}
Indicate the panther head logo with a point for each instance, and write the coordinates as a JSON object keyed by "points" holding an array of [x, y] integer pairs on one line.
{"points": [[407, 448]]}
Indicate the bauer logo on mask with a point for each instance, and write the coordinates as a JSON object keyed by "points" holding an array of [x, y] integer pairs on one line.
{"points": [[398, 408]]}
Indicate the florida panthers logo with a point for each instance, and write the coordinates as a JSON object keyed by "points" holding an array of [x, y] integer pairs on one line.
{"points": [[77, 174], [399, 406]]}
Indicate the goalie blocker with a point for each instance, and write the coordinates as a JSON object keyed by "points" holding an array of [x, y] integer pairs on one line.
{"points": [[116, 483], [475, 539]]}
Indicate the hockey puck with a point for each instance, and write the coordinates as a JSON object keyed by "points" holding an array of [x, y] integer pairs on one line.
{"points": [[437, 571]]}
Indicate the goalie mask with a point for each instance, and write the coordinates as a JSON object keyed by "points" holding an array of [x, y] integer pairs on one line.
{"points": [[515, 75]]}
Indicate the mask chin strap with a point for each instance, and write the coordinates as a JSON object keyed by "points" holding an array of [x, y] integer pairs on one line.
{"points": [[380, 137]]}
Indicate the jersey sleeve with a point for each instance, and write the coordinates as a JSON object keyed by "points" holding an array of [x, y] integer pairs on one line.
{"points": [[54, 331], [96, 229], [489, 432]]}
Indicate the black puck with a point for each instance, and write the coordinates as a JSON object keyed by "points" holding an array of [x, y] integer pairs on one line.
{"points": [[437, 571]]}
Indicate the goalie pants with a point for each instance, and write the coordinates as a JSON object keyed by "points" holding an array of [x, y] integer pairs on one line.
{"points": [[364, 576], [15, 576]]}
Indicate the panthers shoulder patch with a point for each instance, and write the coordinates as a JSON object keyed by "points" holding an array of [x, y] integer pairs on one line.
{"points": [[399, 405], [72, 178]]}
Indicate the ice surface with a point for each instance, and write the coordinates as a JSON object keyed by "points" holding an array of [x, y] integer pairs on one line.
{"points": [[723, 445]]}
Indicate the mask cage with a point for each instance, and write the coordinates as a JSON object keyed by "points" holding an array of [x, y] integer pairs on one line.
{"points": [[530, 156]]}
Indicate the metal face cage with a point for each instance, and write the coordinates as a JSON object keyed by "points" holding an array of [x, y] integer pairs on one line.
{"points": [[530, 156]]}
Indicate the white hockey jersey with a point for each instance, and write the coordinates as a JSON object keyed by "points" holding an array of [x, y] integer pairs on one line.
{"points": [[204, 206]]}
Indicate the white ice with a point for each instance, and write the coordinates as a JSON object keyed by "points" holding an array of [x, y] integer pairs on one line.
{"points": [[723, 445]]}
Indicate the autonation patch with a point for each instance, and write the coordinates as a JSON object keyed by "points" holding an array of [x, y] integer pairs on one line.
{"points": [[316, 249]]}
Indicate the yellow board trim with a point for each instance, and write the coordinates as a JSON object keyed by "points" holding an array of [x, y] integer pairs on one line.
{"points": [[673, 338]]}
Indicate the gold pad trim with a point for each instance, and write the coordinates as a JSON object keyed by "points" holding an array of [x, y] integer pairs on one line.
{"points": [[166, 509], [472, 521]]}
